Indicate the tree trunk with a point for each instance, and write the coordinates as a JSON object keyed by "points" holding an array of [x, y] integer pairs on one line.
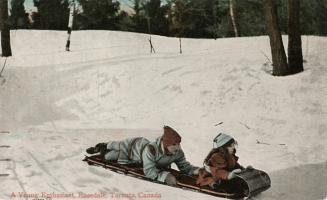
{"points": [[232, 16], [295, 58], [5, 31], [280, 67], [180, 45], [70, 24]]}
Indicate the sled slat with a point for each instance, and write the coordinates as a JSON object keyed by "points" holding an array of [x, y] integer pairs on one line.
{"points": [[138, 173]]}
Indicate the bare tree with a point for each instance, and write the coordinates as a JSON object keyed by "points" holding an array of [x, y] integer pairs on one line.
{"points": [[70, 24], [280, 67], [5, 31], [152, 50], [178, 24], [295, 57], [232, 16]]}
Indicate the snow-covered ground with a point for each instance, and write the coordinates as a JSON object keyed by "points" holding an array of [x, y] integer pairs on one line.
{"points": [[56, 103]]}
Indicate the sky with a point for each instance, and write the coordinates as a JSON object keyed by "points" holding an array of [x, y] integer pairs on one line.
{"points": [[29, 6]]}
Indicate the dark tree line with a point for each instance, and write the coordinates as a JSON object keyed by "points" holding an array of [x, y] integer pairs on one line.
{"points": [[51, 14], [18, 17], [185, 18]]}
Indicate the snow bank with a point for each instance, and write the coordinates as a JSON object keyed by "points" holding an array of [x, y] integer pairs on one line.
{"points": [[57, 103]]}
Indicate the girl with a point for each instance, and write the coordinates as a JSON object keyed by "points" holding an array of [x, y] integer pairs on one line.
{"points": [[221, 163]]}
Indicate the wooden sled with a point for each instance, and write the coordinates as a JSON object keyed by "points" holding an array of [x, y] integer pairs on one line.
{"points": [[238, 188]]}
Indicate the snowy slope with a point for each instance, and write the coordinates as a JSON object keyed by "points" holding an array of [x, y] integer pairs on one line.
{"points": [[57, 103]]}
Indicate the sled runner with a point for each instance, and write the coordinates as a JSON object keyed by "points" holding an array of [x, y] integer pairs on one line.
{"points": [[248, 182]]}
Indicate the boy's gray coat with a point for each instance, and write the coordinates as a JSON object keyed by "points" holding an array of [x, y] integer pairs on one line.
{"points": [[155, 160]]}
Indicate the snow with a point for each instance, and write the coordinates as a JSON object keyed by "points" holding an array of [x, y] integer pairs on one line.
{"points": [[56, 104]]}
